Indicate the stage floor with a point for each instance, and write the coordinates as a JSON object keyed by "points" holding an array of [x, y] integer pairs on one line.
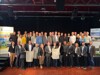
{"points": [[51, 71]]}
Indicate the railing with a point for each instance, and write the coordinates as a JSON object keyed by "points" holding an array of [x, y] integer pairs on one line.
{"points": [[49, 2]]}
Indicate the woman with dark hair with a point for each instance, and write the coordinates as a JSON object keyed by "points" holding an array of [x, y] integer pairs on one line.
{"points": [[12, 53], [55, 53]]}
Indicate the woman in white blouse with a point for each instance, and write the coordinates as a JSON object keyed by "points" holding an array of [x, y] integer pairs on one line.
{"points": [[55, 53]]}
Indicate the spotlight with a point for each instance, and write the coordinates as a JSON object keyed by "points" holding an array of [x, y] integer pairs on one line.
{"points": [[43, 8], [82, 17], [72, 17], [15, 17], [99, 20]]}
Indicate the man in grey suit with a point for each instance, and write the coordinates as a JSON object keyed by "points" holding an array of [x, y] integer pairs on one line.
{"points": [[55, 38], [17, 52], [45, 39], [91, 53], [83, 50], [35, 57], [50, 39], [77, 55], [48, 54]]}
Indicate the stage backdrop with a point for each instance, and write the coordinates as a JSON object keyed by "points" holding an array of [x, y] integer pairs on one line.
{"points": [[4, 38], [95, 34]]}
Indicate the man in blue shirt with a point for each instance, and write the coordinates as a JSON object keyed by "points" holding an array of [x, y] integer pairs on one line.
{"points": [[39, 39]]}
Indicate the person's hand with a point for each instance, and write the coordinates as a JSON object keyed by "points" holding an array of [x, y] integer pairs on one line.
{"points": [[78, 55], [15, 55], [9, 54], [93, 55], [59, 44], [39, 57], [82, 54]]}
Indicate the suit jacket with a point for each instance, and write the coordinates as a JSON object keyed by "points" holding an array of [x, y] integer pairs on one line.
{"points": [[33, 39], [27, 47], [13, 38], [71, 49], [22, 53], [47, 52], [45, 40], [61, 39], [35, 51], [17, 50], [91, 51], [50, 39], [84, 51], [78, 52], [61, 50], [54, 38], [28, 39], [66, 39], [65, 49]]}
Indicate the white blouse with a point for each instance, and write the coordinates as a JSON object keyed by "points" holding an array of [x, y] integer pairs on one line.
{"points": [[55, 53]]}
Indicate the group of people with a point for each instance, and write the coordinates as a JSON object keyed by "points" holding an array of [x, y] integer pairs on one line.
{"points": [[56, 49]]}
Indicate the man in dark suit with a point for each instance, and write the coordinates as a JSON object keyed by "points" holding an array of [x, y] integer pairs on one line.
{"points": [[28, 38], [91, 53], [65, 53], [61, 38], [29, 47], [83, 50], [71, 54], [13, 37], [66, 38]]}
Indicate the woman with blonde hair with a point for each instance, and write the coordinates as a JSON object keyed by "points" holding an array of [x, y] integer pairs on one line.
{"points": [[24, 39], [19, 39], [82, 39]]}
